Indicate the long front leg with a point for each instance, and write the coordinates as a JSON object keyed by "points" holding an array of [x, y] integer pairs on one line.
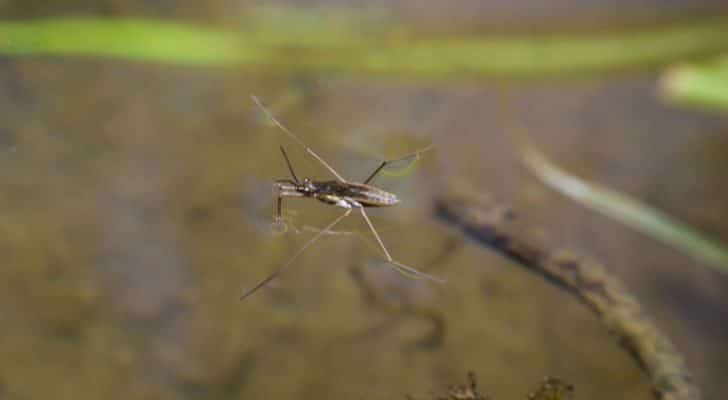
{"points": [[278, 207], [283, 189], [279, 225], [399, 267], [300, 251]]}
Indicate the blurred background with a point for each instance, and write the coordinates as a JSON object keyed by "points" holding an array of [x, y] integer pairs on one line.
{"points": [[136, 203]]}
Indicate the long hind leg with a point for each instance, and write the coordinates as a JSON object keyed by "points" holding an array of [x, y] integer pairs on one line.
{"points": [[399, 267]]}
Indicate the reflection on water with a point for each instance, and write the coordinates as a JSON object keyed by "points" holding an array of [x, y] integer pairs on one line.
{"points": [[145, 270]]}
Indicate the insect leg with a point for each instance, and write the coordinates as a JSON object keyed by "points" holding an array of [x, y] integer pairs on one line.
{"points": [[367, 242], [399, 267], [415, 155], [300, 251], [284, 188], [278, 208], [296, 138]]}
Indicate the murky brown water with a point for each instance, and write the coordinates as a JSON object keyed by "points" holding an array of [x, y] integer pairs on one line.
{"points": [[137, 206]]}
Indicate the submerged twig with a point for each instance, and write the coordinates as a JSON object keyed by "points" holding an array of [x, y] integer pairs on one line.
{"points": [[604, 294], [550, 389]]}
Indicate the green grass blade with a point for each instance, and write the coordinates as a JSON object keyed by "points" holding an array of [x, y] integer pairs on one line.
{"points": [[702, 85], [131, 39], [630, 212], [336, 43]]}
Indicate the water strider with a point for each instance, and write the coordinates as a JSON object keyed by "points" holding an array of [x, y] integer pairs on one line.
{"points": [[340, 193]]}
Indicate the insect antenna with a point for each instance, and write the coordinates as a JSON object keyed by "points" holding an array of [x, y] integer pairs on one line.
{"points": [[296, 138], [290, 167]]}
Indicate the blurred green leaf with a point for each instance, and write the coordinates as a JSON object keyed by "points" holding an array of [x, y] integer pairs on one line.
{"points": [[629, 211], [340, 42], [704, 85], [133, 39]]}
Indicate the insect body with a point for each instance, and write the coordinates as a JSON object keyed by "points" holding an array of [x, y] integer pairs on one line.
{"points": [[340, 193]]}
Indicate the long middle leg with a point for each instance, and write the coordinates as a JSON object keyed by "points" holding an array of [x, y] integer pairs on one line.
{"points": [[297, 139], [409, 271]]}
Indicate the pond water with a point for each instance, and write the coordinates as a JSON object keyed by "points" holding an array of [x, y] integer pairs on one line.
{"points": [[137, 206]]}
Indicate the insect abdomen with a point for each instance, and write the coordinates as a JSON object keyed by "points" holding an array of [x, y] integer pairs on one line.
{"points": [[367, 196], [374, 197]]}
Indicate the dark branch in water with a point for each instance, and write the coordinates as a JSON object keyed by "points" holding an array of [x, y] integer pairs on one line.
{"points": [[490, 225]]}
